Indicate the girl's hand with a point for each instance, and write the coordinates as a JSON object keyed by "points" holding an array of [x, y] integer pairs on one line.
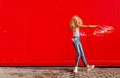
{"points": [[99, 27]]}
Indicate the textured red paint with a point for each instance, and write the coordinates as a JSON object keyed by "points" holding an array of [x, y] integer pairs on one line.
{"points": [[36, 33]]}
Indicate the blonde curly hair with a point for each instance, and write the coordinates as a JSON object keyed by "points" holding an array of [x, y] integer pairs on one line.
{"points": [[72, 22]]}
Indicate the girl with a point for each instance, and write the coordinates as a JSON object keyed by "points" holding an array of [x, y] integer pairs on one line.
{"points": [[75, 24]]}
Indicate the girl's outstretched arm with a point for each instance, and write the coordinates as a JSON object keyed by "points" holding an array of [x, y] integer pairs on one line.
{"points": [[89, 26]]}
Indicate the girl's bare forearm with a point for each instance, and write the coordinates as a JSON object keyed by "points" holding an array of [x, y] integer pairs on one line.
{"points": [[88, 26]]}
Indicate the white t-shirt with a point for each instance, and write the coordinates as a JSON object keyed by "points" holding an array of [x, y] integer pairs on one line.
{"points": [[76, 33]]}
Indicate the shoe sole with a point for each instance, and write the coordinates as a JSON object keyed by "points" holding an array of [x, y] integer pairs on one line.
{"points": [[75, 71]]}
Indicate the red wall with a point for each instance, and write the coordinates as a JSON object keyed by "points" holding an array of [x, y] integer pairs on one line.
{"points": [[36, 33]]}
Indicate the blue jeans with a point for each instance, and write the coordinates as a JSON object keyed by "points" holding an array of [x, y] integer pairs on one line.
{"points": [[79, 51]]}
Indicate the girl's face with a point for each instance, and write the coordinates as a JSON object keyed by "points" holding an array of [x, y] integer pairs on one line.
{"points": [[76, 21]]}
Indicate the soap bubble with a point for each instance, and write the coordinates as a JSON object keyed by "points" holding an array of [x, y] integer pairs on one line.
{"points": [[83, 33], [103, 30]]}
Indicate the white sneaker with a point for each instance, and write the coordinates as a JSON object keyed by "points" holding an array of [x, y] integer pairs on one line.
{"points": [[88, 68], [75, 70]]}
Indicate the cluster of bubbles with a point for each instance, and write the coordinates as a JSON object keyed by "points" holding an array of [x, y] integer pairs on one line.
{"points": [[103, 30], [83, 34], [100, 31]]}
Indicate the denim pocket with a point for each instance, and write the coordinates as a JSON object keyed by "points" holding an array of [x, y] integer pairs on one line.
{"points": [[75, 40]]}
